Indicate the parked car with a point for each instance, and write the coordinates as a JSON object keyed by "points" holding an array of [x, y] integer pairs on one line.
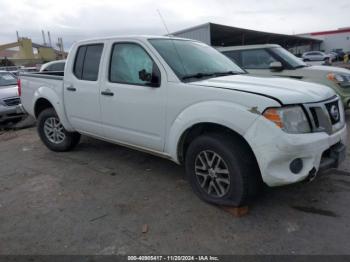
{"points": [[185, 101], [334, 56], [54, 66], [315, 56], [273, 60], [340, 54], [10, 109], [12, 69]]}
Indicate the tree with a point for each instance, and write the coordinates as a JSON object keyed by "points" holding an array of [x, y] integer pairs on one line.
{"points": [[6, 62]]}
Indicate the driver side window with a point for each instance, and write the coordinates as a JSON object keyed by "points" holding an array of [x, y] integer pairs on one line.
{"points": [[130, 64], [256, 59]]}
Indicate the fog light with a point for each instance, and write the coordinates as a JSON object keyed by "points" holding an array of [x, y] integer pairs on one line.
{"points": [[296, 166]]}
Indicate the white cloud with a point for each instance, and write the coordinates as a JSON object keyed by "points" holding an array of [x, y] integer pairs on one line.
{"points": [[78, 19]]}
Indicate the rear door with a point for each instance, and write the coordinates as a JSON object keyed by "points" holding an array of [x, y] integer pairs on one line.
{"points": [[133, 112], [82, 89]]}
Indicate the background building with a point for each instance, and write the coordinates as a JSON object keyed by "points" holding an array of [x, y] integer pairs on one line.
{"points": [[331, 40], [24, 52], [222, 35]]}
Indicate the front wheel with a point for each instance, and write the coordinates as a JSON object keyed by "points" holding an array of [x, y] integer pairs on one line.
{"points": [[53, 134], [222, 170]]}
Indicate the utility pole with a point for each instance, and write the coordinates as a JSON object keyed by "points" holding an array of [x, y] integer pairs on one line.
{"points": [[49, 38], [44, 39], [60, 46]]}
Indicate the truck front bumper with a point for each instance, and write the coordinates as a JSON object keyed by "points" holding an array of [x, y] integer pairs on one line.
{"points": [[8, 113], [289, 158]]}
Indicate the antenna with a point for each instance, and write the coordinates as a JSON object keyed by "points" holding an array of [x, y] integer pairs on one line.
{"points": [[163, 21]]}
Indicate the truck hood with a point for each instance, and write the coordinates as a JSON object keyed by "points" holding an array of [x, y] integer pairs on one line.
{"points": [[327, 69], [8, 91], [286, 91]]}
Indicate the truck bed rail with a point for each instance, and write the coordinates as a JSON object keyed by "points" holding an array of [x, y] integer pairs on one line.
{"points": [[58, 75]]}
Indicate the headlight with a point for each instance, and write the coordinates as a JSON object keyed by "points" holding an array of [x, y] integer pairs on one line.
{"points": [[290, 119], [341, 79]]}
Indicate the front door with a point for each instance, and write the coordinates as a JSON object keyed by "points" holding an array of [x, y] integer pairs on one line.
{"points": [[133, 108]]}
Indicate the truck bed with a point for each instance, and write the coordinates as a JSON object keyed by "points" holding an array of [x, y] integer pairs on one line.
{"points": [[31, 82]]}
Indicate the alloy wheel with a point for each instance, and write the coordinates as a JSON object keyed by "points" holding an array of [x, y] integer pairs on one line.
{"points": [[54, 130], [212, 173]]}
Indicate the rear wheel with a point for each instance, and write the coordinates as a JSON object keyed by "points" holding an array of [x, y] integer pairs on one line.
{"points": [[222, 170], [53, 134]]}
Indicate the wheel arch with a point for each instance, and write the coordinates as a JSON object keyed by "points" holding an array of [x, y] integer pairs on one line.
{"points": [[235, 118], [40, 105], [44, 100], [206, 128]]}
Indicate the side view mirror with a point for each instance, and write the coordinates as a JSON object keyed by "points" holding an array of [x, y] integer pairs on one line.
{"points": [[276, 66], [144, 76], [151, 79]]}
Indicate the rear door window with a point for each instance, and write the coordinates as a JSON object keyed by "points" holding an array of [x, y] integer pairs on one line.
{"points": [[87, 62], [79, 62]]}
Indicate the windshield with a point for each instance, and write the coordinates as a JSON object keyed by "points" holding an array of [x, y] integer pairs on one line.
{"points": [[288, 57], [191, 59], [7, 79]]}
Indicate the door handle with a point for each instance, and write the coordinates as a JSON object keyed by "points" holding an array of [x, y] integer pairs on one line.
{"points": [[107, 93], [71, 88]]}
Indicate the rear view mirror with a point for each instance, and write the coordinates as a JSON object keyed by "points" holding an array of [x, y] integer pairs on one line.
{"points": [[276, 66]]}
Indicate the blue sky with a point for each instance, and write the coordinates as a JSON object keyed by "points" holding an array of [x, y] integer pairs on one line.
{"points": [[80, 19]]}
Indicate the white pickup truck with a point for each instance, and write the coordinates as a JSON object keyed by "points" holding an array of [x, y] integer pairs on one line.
{"points": [[185, 101]]}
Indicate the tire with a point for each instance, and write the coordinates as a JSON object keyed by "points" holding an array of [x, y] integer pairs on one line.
{"points": [[53, 134], [236, 186]]}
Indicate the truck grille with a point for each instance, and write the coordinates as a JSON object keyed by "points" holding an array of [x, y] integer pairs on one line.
{"points": [[327, 116], [12, 101]]}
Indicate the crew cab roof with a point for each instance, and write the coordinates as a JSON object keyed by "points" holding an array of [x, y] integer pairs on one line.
{"points": [[135, 37]]}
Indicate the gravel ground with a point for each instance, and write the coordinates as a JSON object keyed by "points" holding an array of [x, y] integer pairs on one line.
{"points": [[105, 199]]}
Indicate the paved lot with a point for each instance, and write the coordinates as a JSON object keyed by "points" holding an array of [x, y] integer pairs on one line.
{"points": [[98, 198]]}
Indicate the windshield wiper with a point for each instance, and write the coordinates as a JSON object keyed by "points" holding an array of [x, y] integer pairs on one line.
{"points": [[198, 75], [225, 73], [215, 74]]}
